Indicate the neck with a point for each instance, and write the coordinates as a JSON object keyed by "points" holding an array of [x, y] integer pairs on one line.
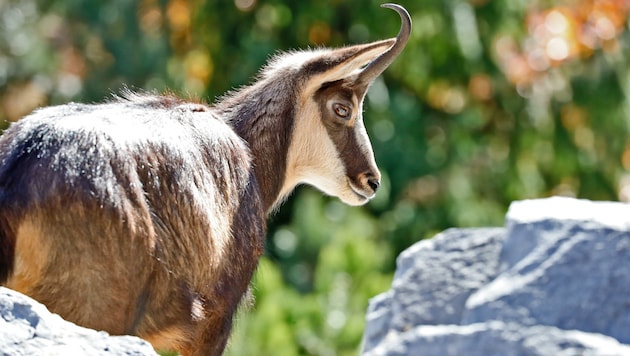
{"points": [[262, 115]]}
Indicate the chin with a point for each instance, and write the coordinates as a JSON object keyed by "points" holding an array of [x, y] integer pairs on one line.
{"points": [[353, 199], [345, 193]]}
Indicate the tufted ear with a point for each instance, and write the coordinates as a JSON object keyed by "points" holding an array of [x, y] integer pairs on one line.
{"points": [[344, 62], [361, 62]]}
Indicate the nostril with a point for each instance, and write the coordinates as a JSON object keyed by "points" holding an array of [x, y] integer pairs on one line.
{"points": [[374, 184]]}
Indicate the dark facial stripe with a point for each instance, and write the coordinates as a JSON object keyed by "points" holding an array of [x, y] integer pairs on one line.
{"points": [[342, 133]]}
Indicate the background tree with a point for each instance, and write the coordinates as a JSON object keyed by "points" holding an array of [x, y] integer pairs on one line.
{"points": [[492, 101]]}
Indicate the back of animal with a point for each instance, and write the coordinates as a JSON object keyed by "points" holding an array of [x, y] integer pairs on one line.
{"points": [[117, 204]]}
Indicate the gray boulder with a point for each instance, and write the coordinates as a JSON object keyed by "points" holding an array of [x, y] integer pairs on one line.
{"points": [[28, 328], [554, 281], [497, 338]]}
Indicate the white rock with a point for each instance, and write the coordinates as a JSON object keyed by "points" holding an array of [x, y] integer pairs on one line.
{"points": [[28, 328]]}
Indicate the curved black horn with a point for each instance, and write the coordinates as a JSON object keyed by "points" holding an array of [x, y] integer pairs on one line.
{"points": [[378, 65]]}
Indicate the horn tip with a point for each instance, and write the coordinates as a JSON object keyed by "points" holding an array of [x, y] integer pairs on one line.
{"points": [[398, 8], [390, 5]]}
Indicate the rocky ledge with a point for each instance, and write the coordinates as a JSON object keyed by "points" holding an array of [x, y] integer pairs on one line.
{"points": [[28, 328]]}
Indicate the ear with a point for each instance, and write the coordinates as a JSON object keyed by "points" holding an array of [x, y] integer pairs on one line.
{"points": [[344, 62]]}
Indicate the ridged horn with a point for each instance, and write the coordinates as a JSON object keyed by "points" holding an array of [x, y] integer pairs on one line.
{"points": [[378, 65]]}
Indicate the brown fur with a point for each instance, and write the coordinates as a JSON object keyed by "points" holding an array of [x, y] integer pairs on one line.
{"points": [[128, 230], [146, 215]]}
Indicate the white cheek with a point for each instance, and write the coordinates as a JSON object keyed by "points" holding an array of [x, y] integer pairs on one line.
{"points": [[324, 170], [329, 175], [312, 158]]}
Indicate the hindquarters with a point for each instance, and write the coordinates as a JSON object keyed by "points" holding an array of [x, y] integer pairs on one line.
{"points": [[136, 232], [74, 233], [96, 286]]}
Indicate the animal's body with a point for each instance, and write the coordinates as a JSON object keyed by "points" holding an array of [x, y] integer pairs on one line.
{"points": [[121, 216], [146, 215]]}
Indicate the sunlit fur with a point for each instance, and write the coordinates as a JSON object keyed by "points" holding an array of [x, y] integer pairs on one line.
{"points": [[146, 214]]}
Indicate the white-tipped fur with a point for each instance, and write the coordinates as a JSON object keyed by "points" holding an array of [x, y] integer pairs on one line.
{"points": [[291, 60]]}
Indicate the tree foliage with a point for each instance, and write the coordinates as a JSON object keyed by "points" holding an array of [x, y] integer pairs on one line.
{"points": [[491, 101]]}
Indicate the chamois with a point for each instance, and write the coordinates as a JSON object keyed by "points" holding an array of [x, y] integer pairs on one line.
{"points": [[146, 214]]}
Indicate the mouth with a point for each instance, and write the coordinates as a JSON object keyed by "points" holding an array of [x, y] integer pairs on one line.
{"points": [[360, 193]]}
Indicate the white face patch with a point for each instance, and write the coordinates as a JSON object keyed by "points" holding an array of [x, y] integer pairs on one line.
{"points": [[314, 159]]}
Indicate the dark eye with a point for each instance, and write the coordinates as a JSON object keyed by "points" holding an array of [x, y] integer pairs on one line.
{"points": [[341, 110]]}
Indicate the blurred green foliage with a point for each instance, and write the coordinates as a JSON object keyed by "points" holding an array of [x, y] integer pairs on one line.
{"points": [[492, 101]]}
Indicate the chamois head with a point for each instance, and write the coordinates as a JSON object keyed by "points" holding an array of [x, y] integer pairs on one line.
{"points": [[303, 119], [330, 148]]}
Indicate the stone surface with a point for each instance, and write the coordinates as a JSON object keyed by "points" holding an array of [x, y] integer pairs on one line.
{"points": [[496, 338], [433, 289], [554, 281], [28, 328]]}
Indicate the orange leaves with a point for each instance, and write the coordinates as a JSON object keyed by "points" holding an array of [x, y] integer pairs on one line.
{"points": [[480, 87], [20, 99], [199, 68], [560, 34], [319, 33], [178, 15], [151, 17], [441, 95]]}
